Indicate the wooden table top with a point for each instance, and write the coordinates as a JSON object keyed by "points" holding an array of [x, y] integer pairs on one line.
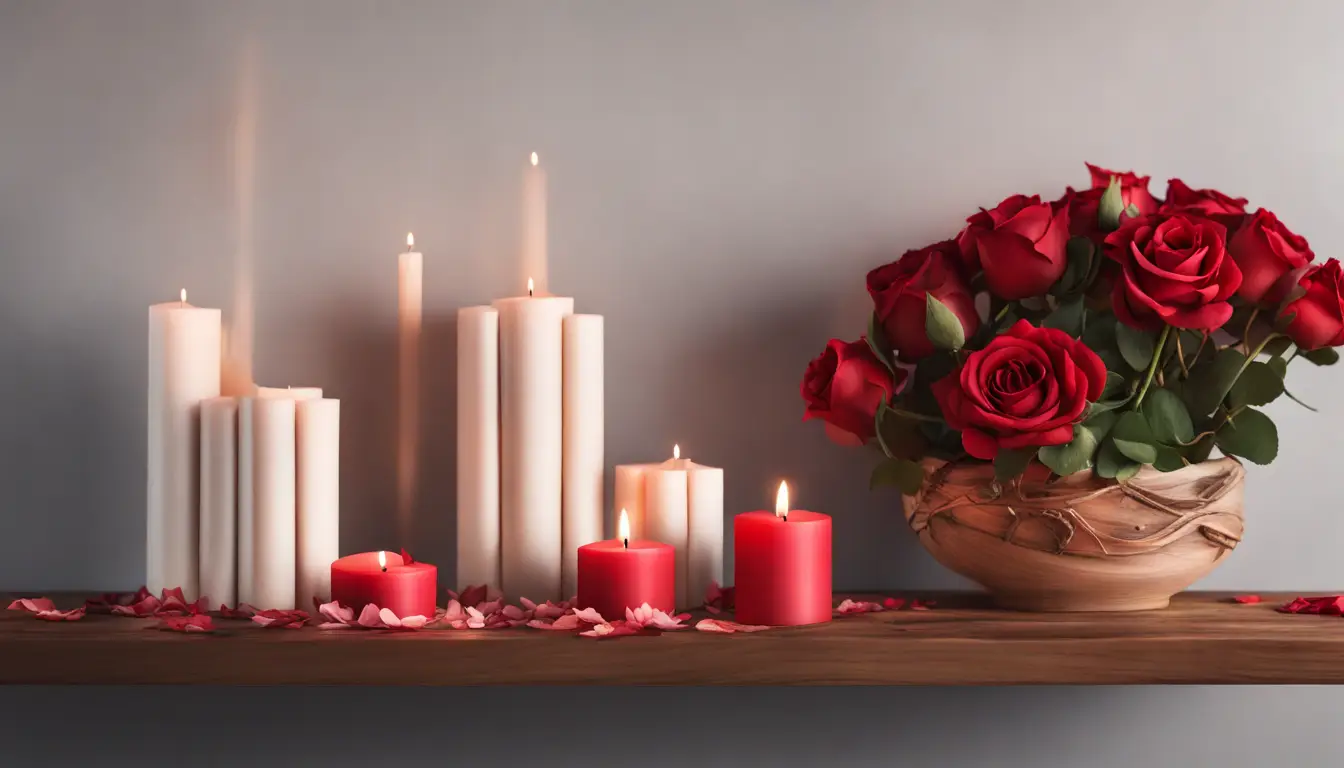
{"points": [[1202, 638]]}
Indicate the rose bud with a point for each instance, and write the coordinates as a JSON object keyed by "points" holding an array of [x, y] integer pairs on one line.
{"points": [[844, 387], [1083, 204], [898, 290]]}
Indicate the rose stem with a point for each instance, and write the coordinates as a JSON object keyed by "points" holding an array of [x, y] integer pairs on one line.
{"points": [[1152, 366]]}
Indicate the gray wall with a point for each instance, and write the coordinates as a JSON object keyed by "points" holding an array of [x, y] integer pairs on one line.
{"points": [[722, 176]]}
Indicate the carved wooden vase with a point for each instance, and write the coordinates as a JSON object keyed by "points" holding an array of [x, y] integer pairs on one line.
{"points": [[1080, 543]]}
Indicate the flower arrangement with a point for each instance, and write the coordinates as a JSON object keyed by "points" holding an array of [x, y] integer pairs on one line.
{"points": [[1107, 330]]}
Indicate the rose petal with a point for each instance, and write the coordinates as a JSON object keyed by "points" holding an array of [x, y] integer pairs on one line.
{"points": [[527, 604], [146, 606], [369, 617], [454, 611], [727, 627], [197, 623], [473, 595], [512, 612], [413, 622], [589, 616], [612, 630], [1246, 599], [33, 604], [278, 619], [661, 620], [336, 612], [549, 610], [893, 603]]}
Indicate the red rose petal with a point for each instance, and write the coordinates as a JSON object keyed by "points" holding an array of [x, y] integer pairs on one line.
{"points": [[473, 595], [727, 627], [1246, 599], [278, 619], [198, 623], [893, 603]]}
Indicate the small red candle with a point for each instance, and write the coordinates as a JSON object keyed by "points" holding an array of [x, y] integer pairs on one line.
{"points": [[620, 574], [782, 565], [387, 581]]}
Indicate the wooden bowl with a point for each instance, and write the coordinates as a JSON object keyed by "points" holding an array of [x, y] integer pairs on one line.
{"points": [[1080, 543]]}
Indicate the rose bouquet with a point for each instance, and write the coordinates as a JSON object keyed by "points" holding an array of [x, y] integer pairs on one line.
{"points": [[1105, 331]]}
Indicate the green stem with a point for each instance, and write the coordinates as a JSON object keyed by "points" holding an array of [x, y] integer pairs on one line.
{"points": [[1246, 334], [1002, 311], [1251, 357], [914, 416], [1152, 367]]}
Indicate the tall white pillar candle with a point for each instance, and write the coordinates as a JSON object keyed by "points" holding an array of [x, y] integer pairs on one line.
{"points": [[219, 501], [318, 517], [584, 461], [704, 530], [410, 292], [531, 441], [478, 546], [184, 369], [629, 495], [273, 505], [665, 517]]}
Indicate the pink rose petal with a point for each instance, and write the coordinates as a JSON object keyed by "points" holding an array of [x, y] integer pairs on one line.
{"points": [[369, 617], [512, 612], [473, 595], [414, 622], [33, 604], [589, 616], [475, 619], [612, 630], [454, 611], [143, 608], [277, 619], [849, 607], [661, 620], [336, 612], [198, 623], [490, 606], [549, 610], [527, 604], [719, 625]]}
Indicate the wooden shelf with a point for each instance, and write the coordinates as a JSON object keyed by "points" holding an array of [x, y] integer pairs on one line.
{"points": [[1202, 638]]}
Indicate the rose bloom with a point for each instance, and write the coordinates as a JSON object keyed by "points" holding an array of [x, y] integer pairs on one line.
{"points": [[1318, 317], [1027, 388], [1265, 251], [1174, 270], [844, 385], [1209, 203], [898, 290], [1083, 204], [1020, 245]]}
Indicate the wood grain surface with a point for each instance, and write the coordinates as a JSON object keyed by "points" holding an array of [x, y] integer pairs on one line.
{"points": [[1202, 638]]}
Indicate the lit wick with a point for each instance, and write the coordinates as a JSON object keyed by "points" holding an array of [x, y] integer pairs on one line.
{"points": [[531, 286], [782, 502], [534, 158], [676, 451], [382, 560], [410, 242], [623, 529], [183, 296]]}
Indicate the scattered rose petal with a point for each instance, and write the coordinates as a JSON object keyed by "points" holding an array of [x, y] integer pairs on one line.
{"points": [[719, 599], [105, 602], [472, 595], [143, 608], [648, 617], [549, 610], [612, 630], [589, 616], [849, 607], [197, 623], [277, 619], [475, 619], [490, 606], [513, 613], [43, 608], [727, 627], [336, 612], [916, 605], [568, 622], [242, 611], [893, 603], [1329, 605], [1246, 599], [454, 611], [527, 604], [406, 557]]}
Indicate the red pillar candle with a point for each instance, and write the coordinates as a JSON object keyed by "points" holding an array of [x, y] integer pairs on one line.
{"points": [[619, 574], [782, 565], [386, 580]]}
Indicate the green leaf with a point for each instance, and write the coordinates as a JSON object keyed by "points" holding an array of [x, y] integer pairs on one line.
{"points": [[899, 436], [1168, 417], [1137, 346], [1126, 472], [1277, 346], [1251, 435], [1322, 356], [1257, 385], [1200, 450], [1078, 268], [1100, 424], [1111, 462], [1168, 459], [1111, 206], [897, 473], [1009, 464], [1210, 382], [1134, 438], [1067, 317], [1279, 366], [1132, 210], [942, 325], [1074, 456], [878, 342]]}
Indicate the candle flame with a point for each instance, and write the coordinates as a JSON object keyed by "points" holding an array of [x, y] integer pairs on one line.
{"points": [[410, 240], [782, 501], [382, 559], [183, 295], [623, 528], [531, 286], [534, 158], [676, 451]]}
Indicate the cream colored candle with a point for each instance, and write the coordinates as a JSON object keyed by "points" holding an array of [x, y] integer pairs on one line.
{"points": [[318, 518], [219, 501], [531, 443], [250, 459], [410, 293], [184, 369], [680, 503], [534, 256], [273, 503], [584, 462], [478, 545]]}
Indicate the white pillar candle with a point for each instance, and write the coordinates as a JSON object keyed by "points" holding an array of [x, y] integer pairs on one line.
{"points": [[629, 496], [273, 504], [680, 503], [534, 225], [184, 369], [665, 517], [531, 441], [318, 518], [410, 293], [478, 546], [249, 460], [219, 495], [584, 462]]}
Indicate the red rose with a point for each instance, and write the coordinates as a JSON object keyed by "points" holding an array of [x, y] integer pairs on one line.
{"points": [[1210, 203], [1083, 204], [1020, 245], [1173, 270], [844, 386], [1318, 317], [1265, 251], [898, 294], [1028, 387]]}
